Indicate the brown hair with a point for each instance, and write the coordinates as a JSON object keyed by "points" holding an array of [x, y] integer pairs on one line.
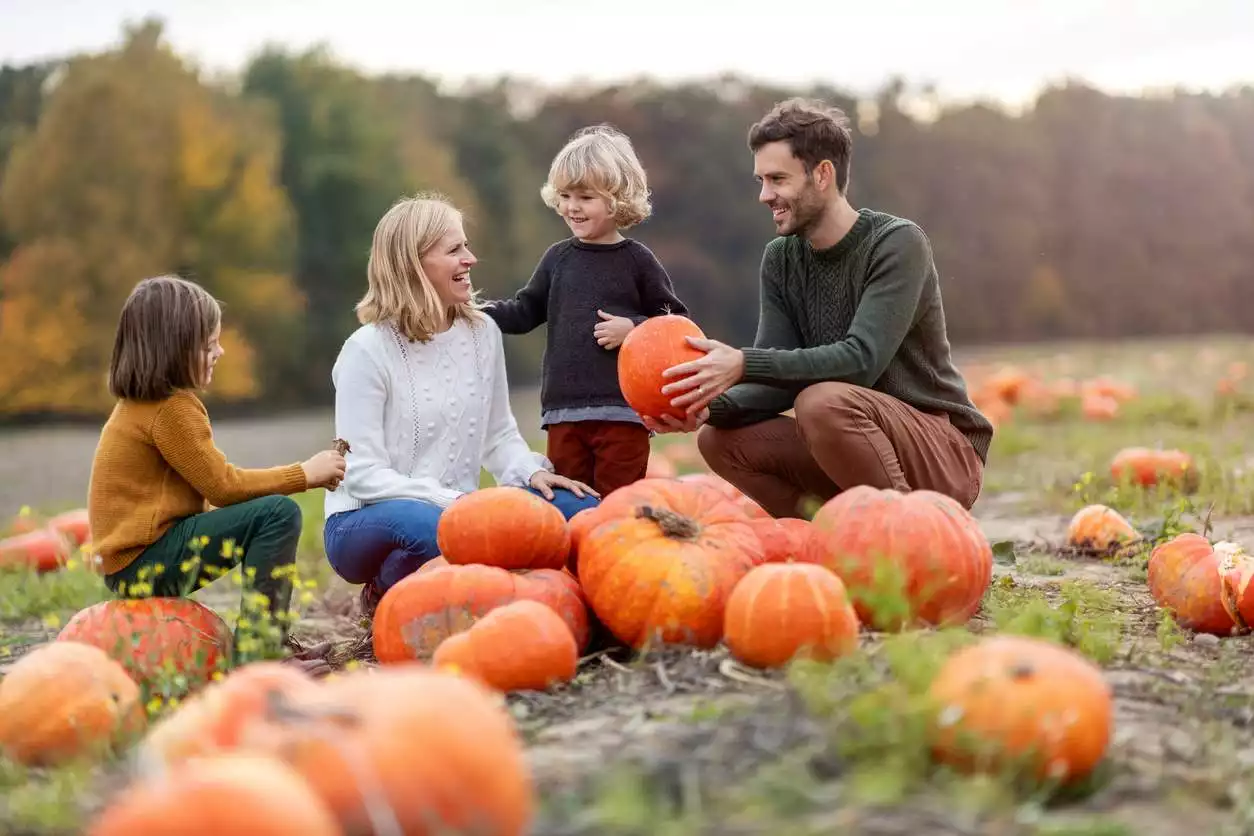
{"points": [[161, 339], [814, 132], [398, 291]]}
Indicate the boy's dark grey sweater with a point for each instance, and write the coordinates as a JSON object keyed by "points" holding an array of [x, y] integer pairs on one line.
{"points": [[574, 280]]}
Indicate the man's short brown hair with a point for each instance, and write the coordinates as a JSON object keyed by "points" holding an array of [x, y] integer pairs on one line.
{"points": [[162, 336], [813, 130]]}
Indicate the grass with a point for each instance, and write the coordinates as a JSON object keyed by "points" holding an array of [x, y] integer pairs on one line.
{"points": [[845, 747]]}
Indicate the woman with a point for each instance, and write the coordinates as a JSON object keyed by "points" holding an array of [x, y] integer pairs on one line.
{"points": [[422, 400]]}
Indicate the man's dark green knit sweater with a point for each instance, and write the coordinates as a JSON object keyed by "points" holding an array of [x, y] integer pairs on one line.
{"points": [[865, 311]]}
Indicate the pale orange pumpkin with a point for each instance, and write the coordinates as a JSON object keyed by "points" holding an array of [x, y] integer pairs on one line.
{"points": [[521, 646], [155, 638], [915, 557], [781, 610], [406, 749], [73, 525], [651, 348], [1099, 529], [65, 700], [782, 539], [1149, 467], [226, 794], [1205, 586], [662, 560], [503, 526], [660, 466], [42, 550], [1007, 701], [738, 497]]}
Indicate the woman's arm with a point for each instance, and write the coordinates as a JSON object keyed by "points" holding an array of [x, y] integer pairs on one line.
{"points": [[360, 399], [506, 454]]}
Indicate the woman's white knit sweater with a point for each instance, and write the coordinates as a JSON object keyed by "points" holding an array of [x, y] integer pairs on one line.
{"points": [[422, 419]]}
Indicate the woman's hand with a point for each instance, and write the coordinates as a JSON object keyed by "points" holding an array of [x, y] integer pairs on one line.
{"points": [[545, 481], [324, 469]]}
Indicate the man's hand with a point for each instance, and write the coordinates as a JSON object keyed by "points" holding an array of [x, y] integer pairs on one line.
{"points": [[612, 330], [704, 379], [669, 424]]}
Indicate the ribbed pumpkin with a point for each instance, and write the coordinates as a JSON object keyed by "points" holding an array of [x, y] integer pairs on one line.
{"points": [[1013, 699], [427, 607], [1149, 467], [738, 497], [662, 561], [503, 526], [906, 558], [155, 638], [407, 749], [1205, 586], [780, 610], [521, 646], [63, 701], [782, 539], [43, 550], [233, 793], [651, 348], [1099, 530]]}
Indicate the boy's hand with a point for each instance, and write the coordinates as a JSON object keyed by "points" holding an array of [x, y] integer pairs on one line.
{"points": [[324, 469], [612, 330]]}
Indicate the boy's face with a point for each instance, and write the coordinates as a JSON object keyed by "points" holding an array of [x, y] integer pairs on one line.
{"points": [[587, 214]]}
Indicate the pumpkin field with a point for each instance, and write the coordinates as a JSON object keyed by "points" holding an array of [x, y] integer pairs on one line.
{"points": [[1077, 661]]}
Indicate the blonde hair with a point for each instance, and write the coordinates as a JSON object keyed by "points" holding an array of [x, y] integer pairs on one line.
{"points": [[398, 291], [601, 158]]}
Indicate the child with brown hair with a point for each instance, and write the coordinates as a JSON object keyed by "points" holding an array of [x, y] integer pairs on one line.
{"points": [[592, 289], [157, 469]]}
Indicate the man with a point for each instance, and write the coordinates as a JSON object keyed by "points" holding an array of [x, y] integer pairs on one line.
{"points": [[851, 337]]}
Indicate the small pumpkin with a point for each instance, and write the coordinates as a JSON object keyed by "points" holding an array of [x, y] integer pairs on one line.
{"points": [[406, 749], [1099, 529], [1205, 586], [906, 558], [651, 348], [1015, 700], [232, 793], [63, 701], [1149, 467], [660, 466], [780, 610], [155, 637], [503, 526], [41, 550], [782, 539], [425, 608], [662, 561], [73, 525], [521, 646]]}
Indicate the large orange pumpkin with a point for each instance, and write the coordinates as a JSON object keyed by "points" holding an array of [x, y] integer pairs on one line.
{"points": [[232, 793], [1205, 586], [521, 646], [215, 719], [427, 607], [662, 561], [43, 550], [1099, 530], [780, 610], [1149, 467], [906, 558], [66, 700], [418, 751], [1013, 700], [651, 348], [503, 526], [156, 638]]}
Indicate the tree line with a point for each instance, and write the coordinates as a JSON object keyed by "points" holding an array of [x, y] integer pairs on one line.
{"points": [[1087, 215]]}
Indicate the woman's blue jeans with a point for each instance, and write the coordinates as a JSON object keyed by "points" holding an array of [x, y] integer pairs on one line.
{"points": [[382, 542]]}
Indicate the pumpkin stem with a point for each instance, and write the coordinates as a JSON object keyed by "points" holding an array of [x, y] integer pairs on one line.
{"points": [[674, 526], [1021, 670]]}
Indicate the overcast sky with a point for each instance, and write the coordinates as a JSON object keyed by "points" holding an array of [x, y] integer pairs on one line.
{"points": [[1004, 49]]}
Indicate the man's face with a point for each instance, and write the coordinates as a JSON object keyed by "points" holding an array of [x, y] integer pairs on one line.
{"points": [[796, 203]]}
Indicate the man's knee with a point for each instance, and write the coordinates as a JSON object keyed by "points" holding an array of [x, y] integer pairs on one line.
{"points": [[713, 444], [826, 404]]}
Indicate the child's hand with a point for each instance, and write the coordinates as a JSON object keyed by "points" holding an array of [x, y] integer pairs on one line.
{"points": [[324, 469], [612, 330]]}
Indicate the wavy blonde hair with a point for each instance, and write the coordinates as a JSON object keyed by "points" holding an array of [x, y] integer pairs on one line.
{"points": [[601, 159], [398, 291]]}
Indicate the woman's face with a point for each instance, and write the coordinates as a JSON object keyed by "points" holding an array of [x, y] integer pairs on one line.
{"points": [[447, 265]]}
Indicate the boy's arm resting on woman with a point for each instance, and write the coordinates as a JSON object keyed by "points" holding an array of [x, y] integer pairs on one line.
{"points": [[183, 435], [529, 307], [506, 454], [360, 396], [657, 292]]}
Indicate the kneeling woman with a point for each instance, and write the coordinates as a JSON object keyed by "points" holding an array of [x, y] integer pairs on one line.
{"points": [[422, 399]]}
